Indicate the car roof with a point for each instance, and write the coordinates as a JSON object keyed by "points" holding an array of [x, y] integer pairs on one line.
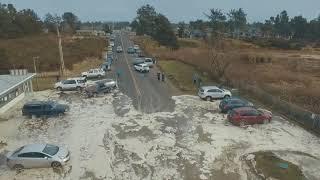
{"points": [[243, 109], [209, 87], [77, 78], [32, 148], [36, 102]]}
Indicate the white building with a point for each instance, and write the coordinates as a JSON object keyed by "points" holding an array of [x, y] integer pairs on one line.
{"points": [[14, 87]]}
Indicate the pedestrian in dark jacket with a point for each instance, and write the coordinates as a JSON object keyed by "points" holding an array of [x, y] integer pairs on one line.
{"points": [[158, 74], [163, 77]]}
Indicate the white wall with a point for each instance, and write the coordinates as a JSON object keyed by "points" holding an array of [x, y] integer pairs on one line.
{"points": [[13, 102]]}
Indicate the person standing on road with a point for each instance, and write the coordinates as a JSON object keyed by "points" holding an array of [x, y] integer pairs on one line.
{"points": [[158, 74], [163, 77]]}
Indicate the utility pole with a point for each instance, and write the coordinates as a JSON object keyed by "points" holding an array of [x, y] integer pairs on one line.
{"points": [[62, 68], [35, 70]]}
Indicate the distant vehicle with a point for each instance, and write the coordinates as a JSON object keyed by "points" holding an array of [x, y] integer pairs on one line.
{"points": [[130, 50], [44, 109], [109, 83], [149, 61], [94, 73], [142, 67], [109, 48], [136, 47], [111, 43], [38, 156], [213, 92], [248, 116], [119, 49], [71, 84], [228, 104]]}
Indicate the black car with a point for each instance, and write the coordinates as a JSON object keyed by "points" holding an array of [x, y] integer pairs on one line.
{"points": [[44, 109], [228, 104]]}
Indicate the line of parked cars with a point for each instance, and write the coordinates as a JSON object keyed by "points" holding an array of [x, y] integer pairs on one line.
{"points": [[240, 112], [140, 63]]}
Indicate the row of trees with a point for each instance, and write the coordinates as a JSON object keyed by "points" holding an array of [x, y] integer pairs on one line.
{"points": [[154, 24], [235, 22]]}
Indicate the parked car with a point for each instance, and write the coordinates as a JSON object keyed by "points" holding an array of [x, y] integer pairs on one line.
{"points": [[109, 48], [111, 43], [94, 73], [130, 50], [44, 109], [119, 49], [148, 61], [138, 61], [109, 83], [71, 84], [228, 104], [136, 47], [95, 88], [142, 67], [38, 156], [213, 92], [249, 115]]}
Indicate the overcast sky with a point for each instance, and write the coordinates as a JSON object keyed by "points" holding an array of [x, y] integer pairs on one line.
{"points": [[175, 10]]}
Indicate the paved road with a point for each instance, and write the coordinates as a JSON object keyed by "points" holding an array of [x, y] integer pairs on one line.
{"points": [[148, 94]]}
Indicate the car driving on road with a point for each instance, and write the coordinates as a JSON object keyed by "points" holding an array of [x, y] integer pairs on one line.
{"points": [[94, 73], [228, 104], [213, 92], [44, 109], [142, 67], [119, 49], [38, 156], [248, 116], [130, 50], [71, 84]]}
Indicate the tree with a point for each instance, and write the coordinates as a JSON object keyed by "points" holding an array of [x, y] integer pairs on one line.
{"points": [[237, 20], [199, 25], [299, 26], [69, 22], [281, 23], [51, 22], [163, 32], [217, 20], [146, 19], [181, 29]]}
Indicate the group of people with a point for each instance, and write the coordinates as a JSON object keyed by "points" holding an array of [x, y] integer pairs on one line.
{"points": [[161, 76]]}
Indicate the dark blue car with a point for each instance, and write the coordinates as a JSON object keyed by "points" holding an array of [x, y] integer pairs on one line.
{"points": [[231, 103], [44, 109]]}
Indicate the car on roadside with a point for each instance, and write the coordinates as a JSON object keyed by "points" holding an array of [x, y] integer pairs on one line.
{"points": [[228, 104], [136, 47], [213, 92], [119, 49], [142, 67], [111, 43], [109, 48], [70, 84], [130, 50], [38, 156], [108, 83], [149, 61], [94, 73], [248, 116], [44, 109]]}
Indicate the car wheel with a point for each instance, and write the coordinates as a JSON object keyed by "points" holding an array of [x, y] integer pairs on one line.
{"points": [[59, 88], [18, 167], [208, 98], [226, 96], [242, 123], [95, 95], [60, 115], [55, 164], [99, 76]]}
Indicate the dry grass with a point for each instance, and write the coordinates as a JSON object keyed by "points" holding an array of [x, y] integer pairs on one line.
{"points": [[293, 73]]}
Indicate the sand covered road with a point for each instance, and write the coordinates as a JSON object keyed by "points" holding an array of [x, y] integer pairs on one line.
{"points": [[109, 139]]}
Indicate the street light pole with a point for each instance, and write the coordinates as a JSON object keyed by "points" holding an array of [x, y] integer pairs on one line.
{"points": [[35, 70]]}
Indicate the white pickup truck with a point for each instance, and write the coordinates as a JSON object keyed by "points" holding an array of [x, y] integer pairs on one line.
{"points": [[94, 73]]}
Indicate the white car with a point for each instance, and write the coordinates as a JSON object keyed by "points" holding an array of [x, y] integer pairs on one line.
{"points": [[71, 84], [148, 61], [93, 73], [143, 67], [112, 44], [136, 47], [213, 92], [119, 49]]}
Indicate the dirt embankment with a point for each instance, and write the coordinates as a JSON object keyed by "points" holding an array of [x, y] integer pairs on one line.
{"points": [[293, 76]]}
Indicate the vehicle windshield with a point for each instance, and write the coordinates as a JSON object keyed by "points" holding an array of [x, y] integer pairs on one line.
{"points": [[50, 149]]}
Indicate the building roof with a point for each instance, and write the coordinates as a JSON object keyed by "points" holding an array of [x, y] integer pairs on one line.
{"points": [[9, 82]]}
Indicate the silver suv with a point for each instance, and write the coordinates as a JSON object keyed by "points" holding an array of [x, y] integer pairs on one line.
{"points": [[71, 84], [213, 92]]}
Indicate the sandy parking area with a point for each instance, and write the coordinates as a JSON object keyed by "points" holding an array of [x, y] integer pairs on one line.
{"points": [[109, 139]]}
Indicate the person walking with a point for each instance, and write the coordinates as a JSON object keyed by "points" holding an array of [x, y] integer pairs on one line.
{"points": [[163, 77], [158, 75]]}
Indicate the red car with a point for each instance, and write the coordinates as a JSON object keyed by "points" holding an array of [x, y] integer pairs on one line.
{"points": [[249, 115]]}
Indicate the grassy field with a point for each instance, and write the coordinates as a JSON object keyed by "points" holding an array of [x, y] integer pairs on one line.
{"points": [[181, 75]]}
